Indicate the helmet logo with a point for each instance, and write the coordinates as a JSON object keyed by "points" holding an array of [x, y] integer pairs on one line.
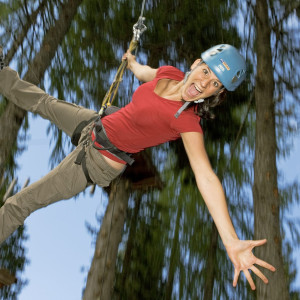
{"points": [[221, 68], [212, 53], [225, 64]]}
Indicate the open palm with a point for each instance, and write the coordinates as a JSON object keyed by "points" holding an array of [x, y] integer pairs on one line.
{"points": [[240, 253]]}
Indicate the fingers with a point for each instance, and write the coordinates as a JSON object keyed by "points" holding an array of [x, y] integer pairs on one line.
{"points": [[250, 280], [248, 276], [258, 273], [129, 58], [258, 243], [265, 265], [259, 261], [244, 260], [128, 54], [125, 55], [236, 277]]}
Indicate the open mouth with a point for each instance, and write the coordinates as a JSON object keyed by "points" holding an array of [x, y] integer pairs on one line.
{"points": [[194, 91]]}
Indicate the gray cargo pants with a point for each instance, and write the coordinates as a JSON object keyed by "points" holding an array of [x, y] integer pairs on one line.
{"points": [[67, 179]]}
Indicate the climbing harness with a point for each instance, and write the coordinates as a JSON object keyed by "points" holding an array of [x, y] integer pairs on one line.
{"points": [[101, 137], [138, 29], [2, 64], [81, 160], [99, 131], [77, 132]]}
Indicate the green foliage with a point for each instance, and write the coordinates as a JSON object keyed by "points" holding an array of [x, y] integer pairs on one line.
{"points": [[12, 258], [19, 31], [178, 31], [144, 278]]}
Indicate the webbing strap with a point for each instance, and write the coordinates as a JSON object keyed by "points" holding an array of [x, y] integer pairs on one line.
{"points": [[81, 160], [181, 109], [77, 132], [107, 145]]}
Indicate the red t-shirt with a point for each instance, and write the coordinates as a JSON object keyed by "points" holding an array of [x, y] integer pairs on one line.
{"points": [[148, 120]]}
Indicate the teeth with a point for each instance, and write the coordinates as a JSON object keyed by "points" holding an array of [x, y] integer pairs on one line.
{"points": [[197, 89]]}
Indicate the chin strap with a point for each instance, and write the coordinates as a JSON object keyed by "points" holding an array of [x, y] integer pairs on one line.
{"points": [[182, 108], [185, 105]]}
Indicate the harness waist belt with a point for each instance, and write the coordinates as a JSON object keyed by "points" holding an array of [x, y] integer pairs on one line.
{"points": [[102, 139]]}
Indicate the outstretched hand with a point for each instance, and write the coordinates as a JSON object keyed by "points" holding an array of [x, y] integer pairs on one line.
{"points": [[240, 253]]}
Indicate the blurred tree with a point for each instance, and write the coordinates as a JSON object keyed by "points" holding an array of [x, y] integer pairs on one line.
{"points": [[137, 179], [11, 118], [164, 30], [272, 45], [170, 245], [101, 274]]}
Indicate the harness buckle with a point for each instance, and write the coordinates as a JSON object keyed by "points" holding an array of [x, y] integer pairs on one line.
{"points": [[102, 139]]}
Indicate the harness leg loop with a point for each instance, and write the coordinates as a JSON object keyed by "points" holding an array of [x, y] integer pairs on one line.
{"points": [[81, 160]]}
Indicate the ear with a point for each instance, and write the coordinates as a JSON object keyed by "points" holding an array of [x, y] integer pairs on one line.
{"points": [[195, 63]]}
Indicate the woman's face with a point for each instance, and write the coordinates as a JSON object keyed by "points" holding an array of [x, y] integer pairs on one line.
{"points": [[201, 83]]}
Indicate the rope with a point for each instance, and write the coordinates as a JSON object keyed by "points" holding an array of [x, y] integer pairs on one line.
{"points": [[112, 92], [142, 10], [138, 29]]}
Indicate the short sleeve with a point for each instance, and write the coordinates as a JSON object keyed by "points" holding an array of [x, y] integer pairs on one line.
{"points": [[188, 121], [169, 72]]}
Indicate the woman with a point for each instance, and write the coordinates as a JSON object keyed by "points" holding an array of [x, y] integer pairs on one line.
{"points": [[159, 112]]}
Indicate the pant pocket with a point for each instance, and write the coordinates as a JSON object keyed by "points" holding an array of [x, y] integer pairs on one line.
{"points": [[99, 170]]}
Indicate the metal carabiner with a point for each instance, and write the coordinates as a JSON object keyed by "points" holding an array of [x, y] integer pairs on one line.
{"points": [[138, 28]]}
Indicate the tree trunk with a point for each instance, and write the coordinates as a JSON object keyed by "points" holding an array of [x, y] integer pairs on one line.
{"points": [[101, 275], [174, 255], [11, 119], [265, 189], [130, 242], [210, 270], [6, 278]]}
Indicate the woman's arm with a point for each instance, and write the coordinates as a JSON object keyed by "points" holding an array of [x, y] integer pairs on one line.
{"points": [[141, 72], [209, 185], [240, 252]]}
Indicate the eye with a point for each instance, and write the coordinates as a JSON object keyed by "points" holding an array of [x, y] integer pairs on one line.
{"points": [[205, 71], [216, 84]]}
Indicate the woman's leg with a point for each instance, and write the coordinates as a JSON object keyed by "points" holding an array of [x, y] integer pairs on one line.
{"points": [[63, 182], [64, 115]]}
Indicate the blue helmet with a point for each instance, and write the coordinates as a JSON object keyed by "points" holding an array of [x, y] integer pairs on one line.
{"points": [[227, 64]]}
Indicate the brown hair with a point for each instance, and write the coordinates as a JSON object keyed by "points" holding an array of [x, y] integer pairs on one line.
{"points": [[203, 109]]}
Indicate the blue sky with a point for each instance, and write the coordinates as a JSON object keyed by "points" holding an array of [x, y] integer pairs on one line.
{"points": [[59, 245]]}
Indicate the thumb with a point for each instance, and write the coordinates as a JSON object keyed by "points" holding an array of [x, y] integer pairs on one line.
{"points": [[258, 242]]}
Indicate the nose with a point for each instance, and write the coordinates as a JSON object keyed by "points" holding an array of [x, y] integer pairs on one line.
{"points": [[204, 82]]}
